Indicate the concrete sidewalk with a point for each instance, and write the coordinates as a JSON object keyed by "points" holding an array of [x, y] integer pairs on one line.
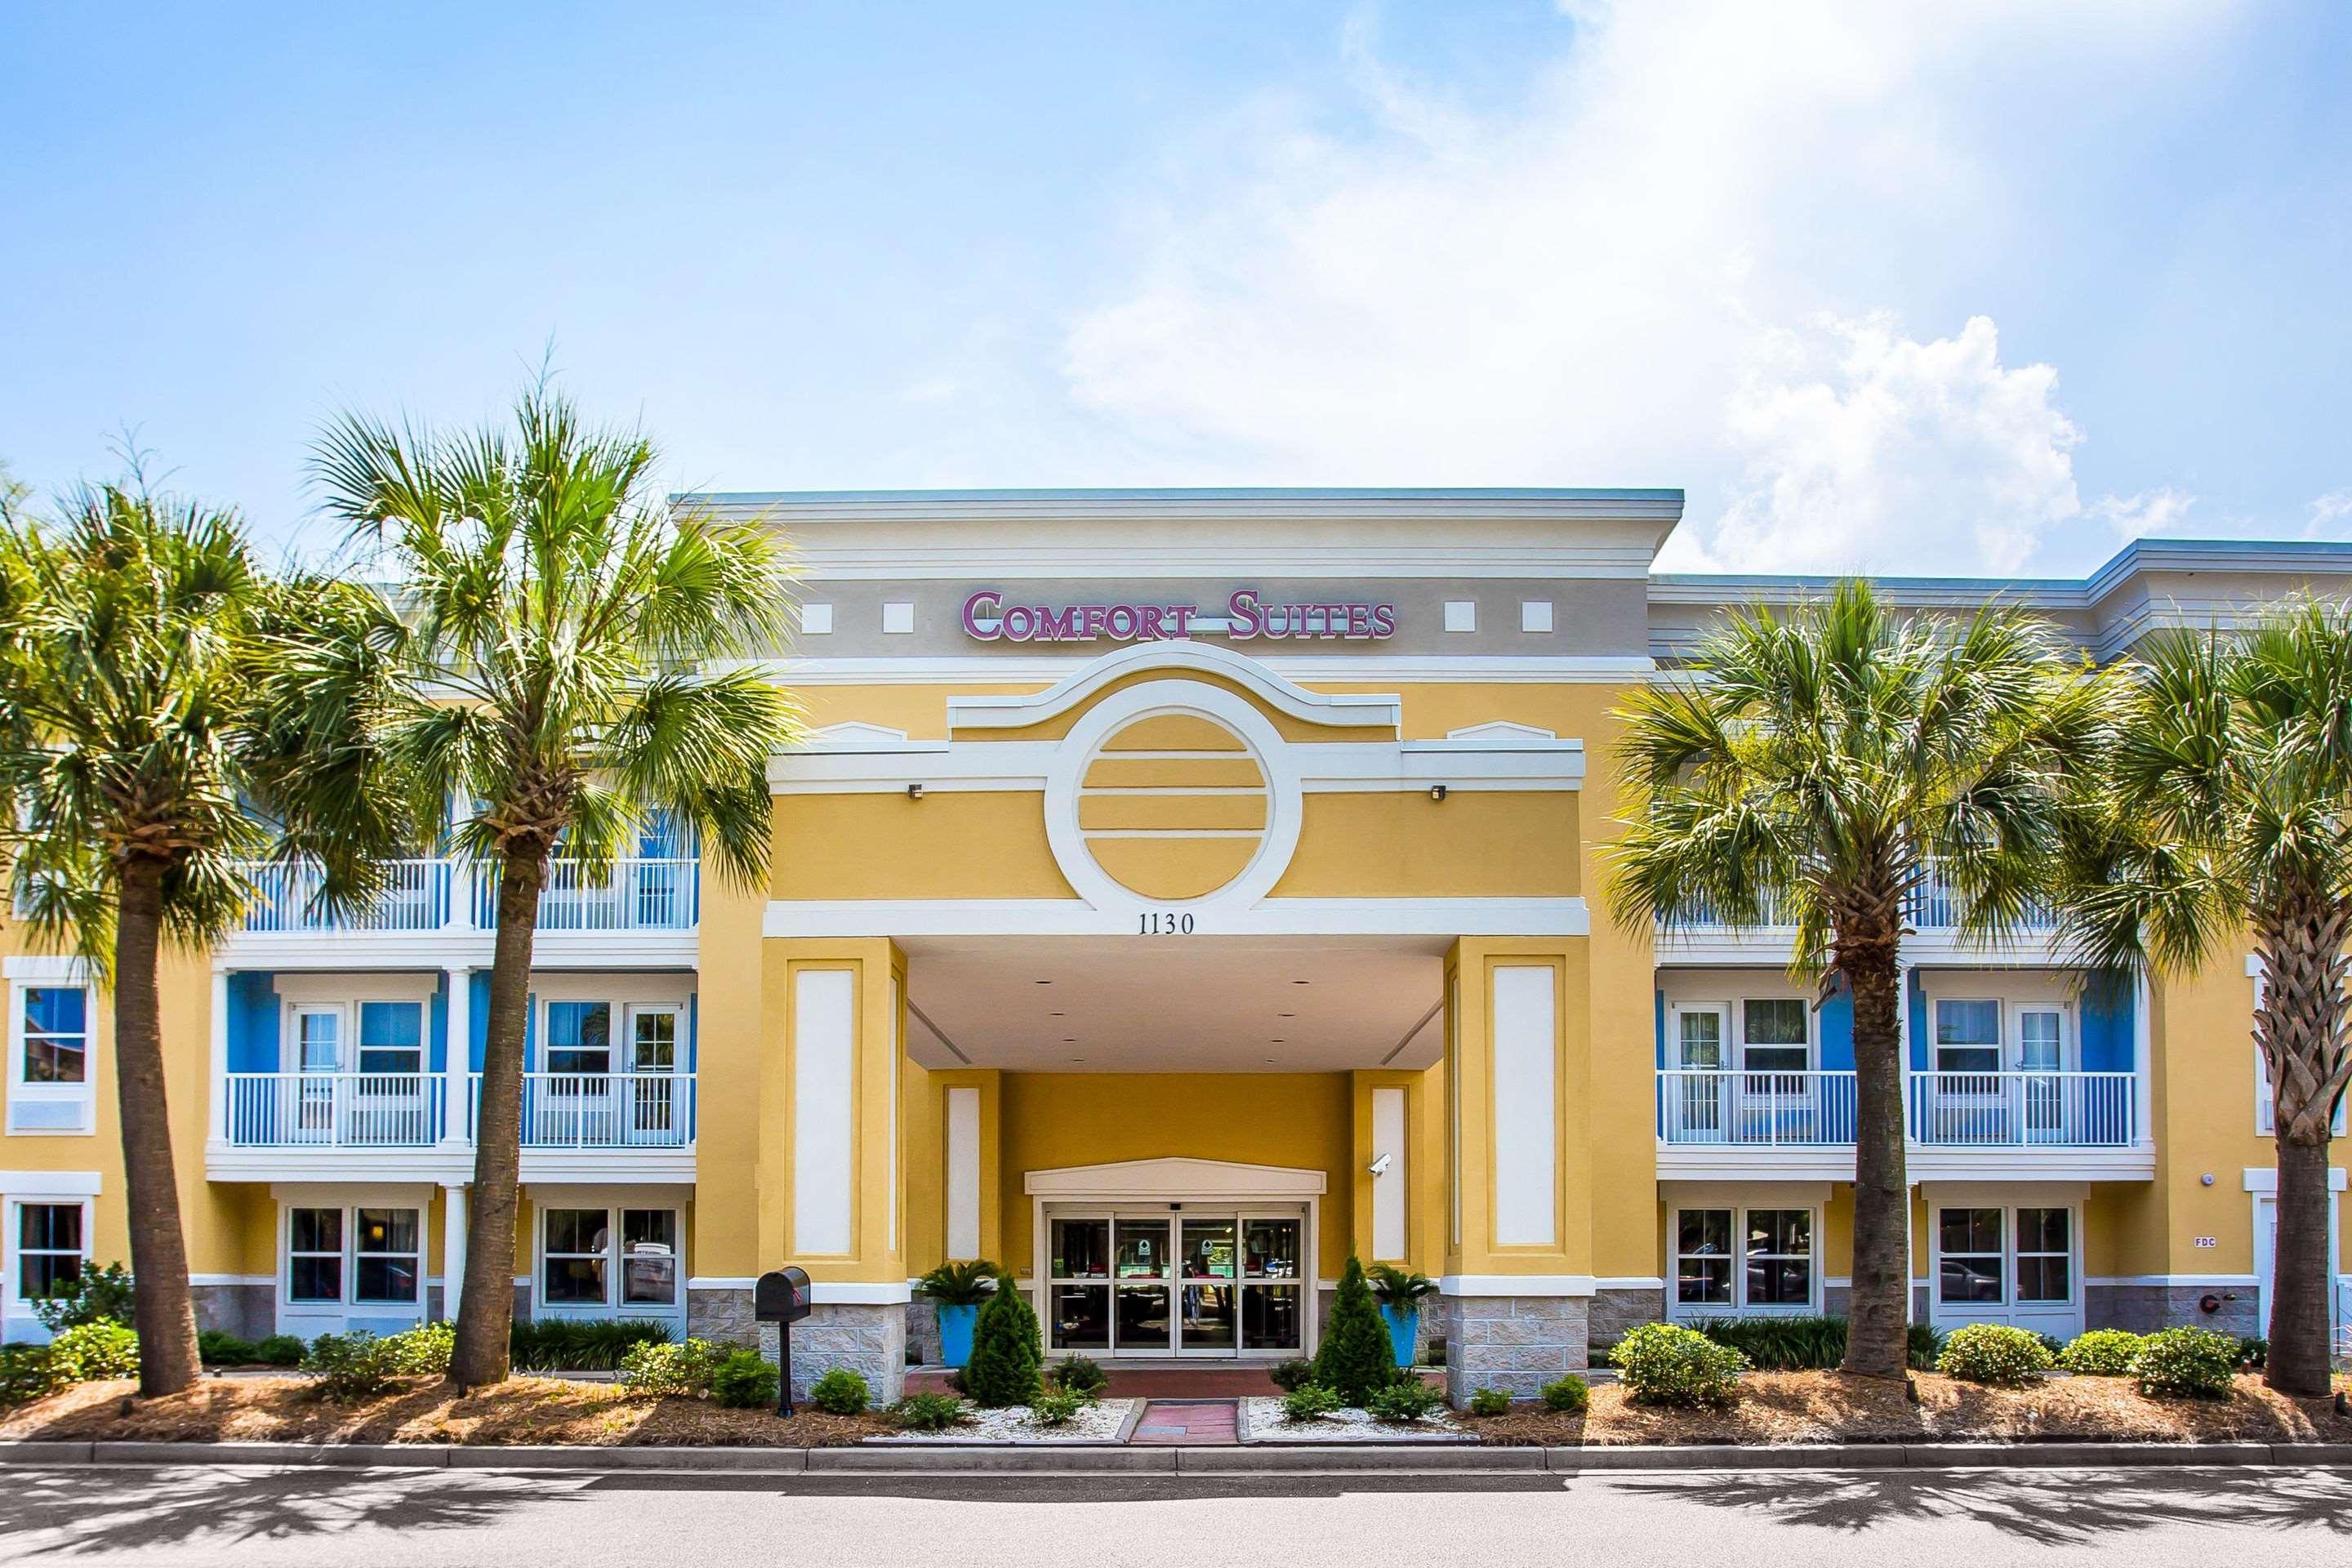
{"points": [[1361, 1459]]}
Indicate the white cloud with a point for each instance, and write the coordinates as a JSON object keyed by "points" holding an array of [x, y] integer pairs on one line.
{"points": [[2331, 516], [2164, 509], [1668, 266]]}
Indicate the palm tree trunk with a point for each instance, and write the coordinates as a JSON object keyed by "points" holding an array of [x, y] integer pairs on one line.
{"points": [[165, 1316], [1879, 1306], [486, 1315], [2299, 1325]]}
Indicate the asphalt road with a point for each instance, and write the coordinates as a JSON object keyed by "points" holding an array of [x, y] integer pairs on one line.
{"points": [[421, 1518]]}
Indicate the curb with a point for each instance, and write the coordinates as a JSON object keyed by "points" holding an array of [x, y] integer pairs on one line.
{"points": [[1235, 1460]]}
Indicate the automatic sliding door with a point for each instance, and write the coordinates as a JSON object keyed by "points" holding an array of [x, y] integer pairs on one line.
{"points": [[1206, 1266], [1078, 1296], [1273, 1285], [1142, 1265]]}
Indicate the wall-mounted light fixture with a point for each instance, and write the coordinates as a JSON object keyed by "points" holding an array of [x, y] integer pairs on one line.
{"points": [[1438, 792], [914, 792]]}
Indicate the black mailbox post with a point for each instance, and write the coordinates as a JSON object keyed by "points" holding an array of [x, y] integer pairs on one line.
{"points": [[782, 1298]]}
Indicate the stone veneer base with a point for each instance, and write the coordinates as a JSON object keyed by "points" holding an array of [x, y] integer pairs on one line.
{"points": [[869, 1340], [1513, 1343]]}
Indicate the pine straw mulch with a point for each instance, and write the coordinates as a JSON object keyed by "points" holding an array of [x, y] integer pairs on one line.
{"points": [[1830, 1407], [519, 1411]]}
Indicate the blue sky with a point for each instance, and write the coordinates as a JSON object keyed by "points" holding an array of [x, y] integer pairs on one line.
{"points": [[1955, 288]]}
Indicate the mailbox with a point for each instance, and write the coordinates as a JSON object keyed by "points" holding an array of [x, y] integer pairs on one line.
{"points": [[780, 1297]]}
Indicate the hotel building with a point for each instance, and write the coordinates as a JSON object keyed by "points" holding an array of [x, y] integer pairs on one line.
{"points": [[1178, 892]]}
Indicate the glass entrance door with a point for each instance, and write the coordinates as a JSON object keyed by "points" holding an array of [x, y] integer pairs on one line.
{"points": [[1176, 1282]]}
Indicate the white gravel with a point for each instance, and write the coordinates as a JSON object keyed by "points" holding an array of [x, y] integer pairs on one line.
{"points": [[1261, 1422], [1105, 1420]]}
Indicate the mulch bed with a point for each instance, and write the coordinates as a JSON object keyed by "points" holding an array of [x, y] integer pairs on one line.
{"points": [[521, 1410], [1831, 1407]]}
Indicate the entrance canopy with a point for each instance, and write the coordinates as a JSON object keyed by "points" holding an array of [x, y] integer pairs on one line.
{"points": [[1199, 1004]]}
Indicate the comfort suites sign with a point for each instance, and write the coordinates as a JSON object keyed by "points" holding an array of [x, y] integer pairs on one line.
{"points": [[989, 618]]}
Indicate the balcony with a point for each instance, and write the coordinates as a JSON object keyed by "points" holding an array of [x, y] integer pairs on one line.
{"points": [[573, 1112], [456, 896], [2038, 1114], [1929, 907]]}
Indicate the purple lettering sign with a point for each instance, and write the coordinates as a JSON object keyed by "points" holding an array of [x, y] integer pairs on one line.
{"points": [[1247, 617]]}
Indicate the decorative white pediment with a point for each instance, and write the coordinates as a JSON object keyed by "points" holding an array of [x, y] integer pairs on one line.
{"points": [[854, 734], [1013, 712], [1172, 1179], [1500, 730]]}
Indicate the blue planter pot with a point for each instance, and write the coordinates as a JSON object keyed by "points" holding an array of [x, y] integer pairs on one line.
{"points": [[955, 1333], [1403, 1325]]}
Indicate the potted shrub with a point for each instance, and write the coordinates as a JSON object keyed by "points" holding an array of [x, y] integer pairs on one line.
{"points": [[957, 1290], [1399, 1291]]}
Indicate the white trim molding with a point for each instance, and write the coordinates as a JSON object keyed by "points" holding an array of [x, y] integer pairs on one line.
{"points": [[1017, 713], [51, 1184], [1174, 1178], [1271, 917], [2264, 1178], [1518, 1285]]}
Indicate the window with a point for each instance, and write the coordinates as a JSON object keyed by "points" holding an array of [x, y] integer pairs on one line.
{"points": [[384, 1253], [580, 1037], [2045, 1255], [50, 1248], [654, 1040], [579, 1263], [1969, 1243], [1769, 1269], [392, 1037], [55, 1034], [318, 1038], [1780, 1258], [1775, 1036], [1968, 1037], [2040, 1044], [314, 1255], [1702, 1257]]}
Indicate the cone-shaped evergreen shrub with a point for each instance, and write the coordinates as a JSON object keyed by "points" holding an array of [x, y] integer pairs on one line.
{"points": [[1005, 1350], [1356, 1359]]}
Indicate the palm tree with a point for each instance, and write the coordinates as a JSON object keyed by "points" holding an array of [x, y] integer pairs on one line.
{"points": [[551, 664], [1816, 768], [2227, 809], [135, 634]]}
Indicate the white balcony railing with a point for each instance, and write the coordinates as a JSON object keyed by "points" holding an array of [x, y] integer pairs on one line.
{"points": [[447, 894], [1946, 1110], [1768, 1110], [602, 1111], [2023, 1110], [286, 898], [1931, 906], [333, 1110]]}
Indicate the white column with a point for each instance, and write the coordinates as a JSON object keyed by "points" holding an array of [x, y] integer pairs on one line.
{"points": [[458, 1055], [825, 1111], [1526, 1165], [453, 1250], [963, 1171], [1390, 1178], [2143, 1067], [218, 1130], [1903, 1042]]}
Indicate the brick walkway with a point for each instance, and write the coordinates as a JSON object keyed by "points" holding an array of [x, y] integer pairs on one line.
{"points": [[1191, 1424]]}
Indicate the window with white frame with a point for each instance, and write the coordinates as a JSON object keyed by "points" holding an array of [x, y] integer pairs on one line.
{"points": [[614, 1258], [52, 1243], [1992, 1257], [359, 1254], [580, 1037], [1744, 1259], [51, 1071], [1968, 1036], [1775, 1035], [392, 1037]]}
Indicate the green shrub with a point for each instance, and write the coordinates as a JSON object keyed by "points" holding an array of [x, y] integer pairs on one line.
{"points": [[2102, 1352], [581, 1344], [280, 1350], [1995, 1353], [423, 1351], [1057, 1406], [1356, 1359], [960, 1284], [931, 1412], [1432, 1351], [1311, 1402], [1664, 1363], [222, 1349], [683, 1368], [1805, 1343], [1005, 1350], [841, 1392], [1291, 1376], [2196, 1362], [94, 1296], [1400, 1287], [90, 1352], [1406, 1401], [745, 1380], [26, 1373], [1570, 1396], [1081, 1375], [2253, 1353], [1489, 1402], [348, 1366]]}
